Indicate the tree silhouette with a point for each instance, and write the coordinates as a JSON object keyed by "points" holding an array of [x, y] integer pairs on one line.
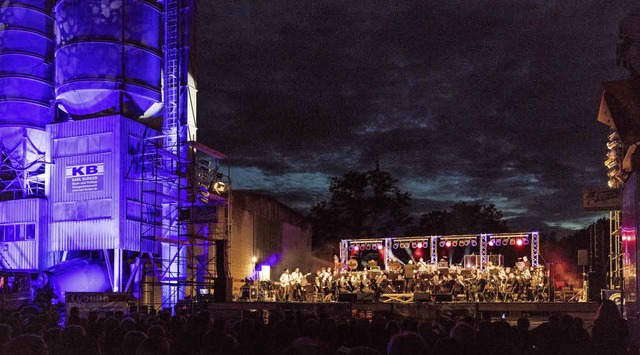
{"points": [[362, 204], [462, 218]]}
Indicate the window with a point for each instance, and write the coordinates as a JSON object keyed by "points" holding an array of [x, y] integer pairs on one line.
{"points": [[17, 232], [30, 231], [9, 235]]}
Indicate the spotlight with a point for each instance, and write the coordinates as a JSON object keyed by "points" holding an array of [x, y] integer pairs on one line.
{"points": [[454, 243], [474, 243], [447, 243], [350, 247], [368, 246], [395, 245], [505, 241], [425, 244], [614, 136], [441, 244], [414, 245], [492, 242], [512, 242], [525, 241], [420, 245], [374, 247], [498, 242], [380, 247], [519, 242], [356, 248], [466, 242]]}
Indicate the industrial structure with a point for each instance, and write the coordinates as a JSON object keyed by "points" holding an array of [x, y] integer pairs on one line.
{"points": [[103, 185], [620, 111]]}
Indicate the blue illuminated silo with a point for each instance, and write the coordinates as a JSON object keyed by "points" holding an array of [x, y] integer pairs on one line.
{"points": [[26, 62], [26, 94], [108, 58]]}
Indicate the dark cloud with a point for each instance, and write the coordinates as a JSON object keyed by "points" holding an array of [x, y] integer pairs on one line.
{"points": [[487, 101]]}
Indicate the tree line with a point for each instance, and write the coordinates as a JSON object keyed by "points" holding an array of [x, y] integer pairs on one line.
{"points": [[370, 204]]}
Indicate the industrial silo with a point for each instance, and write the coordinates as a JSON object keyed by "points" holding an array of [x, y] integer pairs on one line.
{"points": [[108, 67], [108, 58], [26, 96]]}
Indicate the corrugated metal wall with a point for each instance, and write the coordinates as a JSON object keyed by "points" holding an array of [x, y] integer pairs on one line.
{"points": [[102, 214], [84, 220], [24, 254]]}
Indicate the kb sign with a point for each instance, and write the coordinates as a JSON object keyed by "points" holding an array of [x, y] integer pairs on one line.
{"points": [[87, 177], [89, 169]]}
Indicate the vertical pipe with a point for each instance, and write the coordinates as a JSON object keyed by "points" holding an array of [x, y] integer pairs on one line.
{"points": [[117, 270]]}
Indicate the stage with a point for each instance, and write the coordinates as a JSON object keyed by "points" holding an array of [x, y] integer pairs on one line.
{"points": [[536, 311]]}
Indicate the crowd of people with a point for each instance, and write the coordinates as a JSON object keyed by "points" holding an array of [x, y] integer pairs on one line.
{"points": [[292, 333], [496, 283]]}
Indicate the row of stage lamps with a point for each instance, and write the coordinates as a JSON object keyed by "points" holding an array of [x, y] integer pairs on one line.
{"points": [[368, 246], [615, 156], [508, 241], [457, 243], [443, 244], [414, 245]]}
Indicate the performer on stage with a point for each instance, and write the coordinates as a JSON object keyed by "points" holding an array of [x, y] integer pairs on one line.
{"points": [[421, 265], [285, 283], [337, 265], [409, 270], [296, 277]]}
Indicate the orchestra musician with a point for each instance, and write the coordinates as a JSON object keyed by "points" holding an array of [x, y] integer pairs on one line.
{"points": [[337, 265], [495, 283], [422, 265], [317, 287]]}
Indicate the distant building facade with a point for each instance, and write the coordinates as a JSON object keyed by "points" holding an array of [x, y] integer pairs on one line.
{"points": [[265, 229]]}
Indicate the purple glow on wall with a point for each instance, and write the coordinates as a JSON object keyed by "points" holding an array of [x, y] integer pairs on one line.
{"points": [[272, 260]]}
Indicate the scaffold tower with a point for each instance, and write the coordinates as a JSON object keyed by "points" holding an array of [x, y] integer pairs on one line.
{"points": [[185, 194]]}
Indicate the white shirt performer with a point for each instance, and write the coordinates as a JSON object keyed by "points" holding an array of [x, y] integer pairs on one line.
{"points": [[285, 283]]}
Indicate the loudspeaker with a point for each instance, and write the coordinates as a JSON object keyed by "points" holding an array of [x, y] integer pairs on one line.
{"points": [[222, 289], [583, 257], [443, 297], [222, 266], [364, 297], [222, 286], [347, 297], [597, 282], [249, 293], [422, 297]]}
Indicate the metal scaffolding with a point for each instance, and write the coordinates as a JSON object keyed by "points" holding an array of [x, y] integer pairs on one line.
{"points": [[616, 261], [185, 191]]}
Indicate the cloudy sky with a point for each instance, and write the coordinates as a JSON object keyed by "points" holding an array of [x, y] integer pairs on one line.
{"points": [[490, 101]]}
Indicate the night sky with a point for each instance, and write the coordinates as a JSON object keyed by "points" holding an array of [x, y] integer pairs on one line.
{"points": [[482, 101]]}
